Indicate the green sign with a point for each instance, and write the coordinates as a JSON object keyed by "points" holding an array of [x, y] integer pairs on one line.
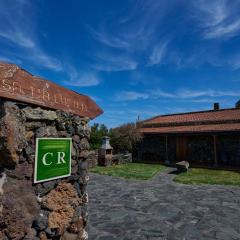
{"points": [[53, 159]]}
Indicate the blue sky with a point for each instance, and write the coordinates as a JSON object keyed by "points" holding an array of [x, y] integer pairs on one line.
{"points": [[134, 57]]}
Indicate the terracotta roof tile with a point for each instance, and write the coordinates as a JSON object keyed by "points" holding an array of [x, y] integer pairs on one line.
{"points": [[194, 128], [205, 121], [224, 114]]}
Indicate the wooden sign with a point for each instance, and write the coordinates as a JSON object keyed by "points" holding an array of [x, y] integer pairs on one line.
{"points": [[19, 85]]}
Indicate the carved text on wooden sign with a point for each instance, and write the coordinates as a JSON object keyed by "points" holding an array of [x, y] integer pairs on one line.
{"points": [[17, 84]]}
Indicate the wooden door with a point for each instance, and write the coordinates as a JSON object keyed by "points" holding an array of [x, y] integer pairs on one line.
{"points": [[181, 148]]}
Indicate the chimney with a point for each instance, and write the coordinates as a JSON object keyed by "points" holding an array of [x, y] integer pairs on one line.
{"points": [[216, 106], [237, 105], [105, 153], [105, 143]]}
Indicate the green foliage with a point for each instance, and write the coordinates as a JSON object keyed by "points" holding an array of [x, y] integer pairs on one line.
{"points": [[208, 176], [98, 131], [124, 138], [130, 170]]}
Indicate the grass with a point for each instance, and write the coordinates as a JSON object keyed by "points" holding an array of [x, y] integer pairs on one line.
{"points": [[207, 176], [138, 171]]}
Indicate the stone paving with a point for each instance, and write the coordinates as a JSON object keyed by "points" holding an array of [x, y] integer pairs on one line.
{"points": [[161, 209]]}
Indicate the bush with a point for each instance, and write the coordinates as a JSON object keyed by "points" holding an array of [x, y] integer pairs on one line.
{"points": [[124, 138]]}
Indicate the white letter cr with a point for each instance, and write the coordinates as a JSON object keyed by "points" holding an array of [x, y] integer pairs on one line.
{"points": [[44, 160], [61, 156]]}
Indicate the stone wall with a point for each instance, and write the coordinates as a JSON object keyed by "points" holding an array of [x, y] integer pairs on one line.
{"points": [[50, 210], [229, 150], [93, 158], [199, 150], [121, 158], [116, 159], [152, 149]]}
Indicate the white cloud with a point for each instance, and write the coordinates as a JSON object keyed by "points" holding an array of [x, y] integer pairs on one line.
{"points": [[211, 57], [234, 62], [127, 65], [226, 93], [138, 26], [158, 54], [105, 38], [218, 18], [110, 63], [17, 27], [42, 59], [130, 96], [156, 93], [191, 94], [224, 30], [18, 38], [215, 11], [84, 79], [133, 34], [187, 93], [181, 94], [210, 93]]}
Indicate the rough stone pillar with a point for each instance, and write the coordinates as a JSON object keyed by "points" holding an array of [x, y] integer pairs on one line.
{"points": [[55, 209]]}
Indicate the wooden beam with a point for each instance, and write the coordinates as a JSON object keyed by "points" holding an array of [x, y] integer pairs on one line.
{"points": [[166, 145], [215, 150]]}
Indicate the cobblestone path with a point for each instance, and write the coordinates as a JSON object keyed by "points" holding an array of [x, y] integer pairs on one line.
{"points": [[161, 209]]}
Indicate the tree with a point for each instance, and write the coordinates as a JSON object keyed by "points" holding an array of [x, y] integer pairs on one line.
{"points": [[124, 138], [97, 133]]}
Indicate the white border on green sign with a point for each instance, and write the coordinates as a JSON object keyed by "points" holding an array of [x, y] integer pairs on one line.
{"points": [[35, 163]]}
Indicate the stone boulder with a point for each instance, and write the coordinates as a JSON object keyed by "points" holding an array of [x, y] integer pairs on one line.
{"points": [[39, 114], [19, 208], [49, 131], [12, 134], [61, 201], [182, 166]]}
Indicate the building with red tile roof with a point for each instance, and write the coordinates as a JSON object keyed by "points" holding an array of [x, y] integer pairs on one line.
{"points": [[206, 137], [204, 121]]}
